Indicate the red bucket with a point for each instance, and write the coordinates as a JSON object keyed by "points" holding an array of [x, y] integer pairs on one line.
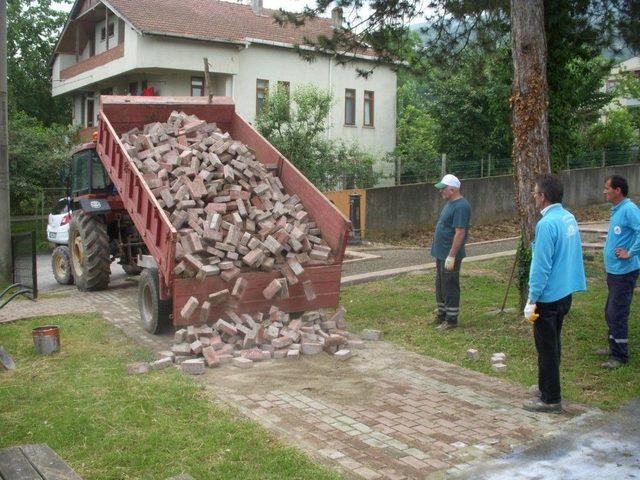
{"points": [[46, 339]]}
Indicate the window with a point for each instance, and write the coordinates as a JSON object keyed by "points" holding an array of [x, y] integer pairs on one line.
{"points": [[197, 86], [262, 89], [349, 107], [89, 119], [286, 87], [133, 88], [368, 109], [103, 32]]}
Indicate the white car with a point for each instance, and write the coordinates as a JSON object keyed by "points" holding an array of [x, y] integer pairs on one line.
{"points": [[58, 224]]}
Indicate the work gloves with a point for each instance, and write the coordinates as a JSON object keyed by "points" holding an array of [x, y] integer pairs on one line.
{"points": [[530, 312], [449, 263]]}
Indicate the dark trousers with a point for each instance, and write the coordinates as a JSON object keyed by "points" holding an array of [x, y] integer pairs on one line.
{"points": [[448, 291], [546, 332], [616, 311]]}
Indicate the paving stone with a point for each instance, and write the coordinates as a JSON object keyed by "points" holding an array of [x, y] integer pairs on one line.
{"points": [[194, 366], [368, 334], [137, 368]]}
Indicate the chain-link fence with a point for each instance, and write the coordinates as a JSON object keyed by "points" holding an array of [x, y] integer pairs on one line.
{"points": [[490, 166]]}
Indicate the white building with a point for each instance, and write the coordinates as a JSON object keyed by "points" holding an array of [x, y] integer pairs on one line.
{"points": [[631, 66], [131, 46]]}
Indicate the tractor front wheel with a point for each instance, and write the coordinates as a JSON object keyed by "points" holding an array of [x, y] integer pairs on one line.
{"points": [[61, 265]]}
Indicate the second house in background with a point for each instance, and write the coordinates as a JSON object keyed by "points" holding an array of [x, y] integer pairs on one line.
{"points": [[123, 47]]}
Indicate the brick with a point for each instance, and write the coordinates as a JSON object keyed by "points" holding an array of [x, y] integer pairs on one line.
{"points": [[342, 354], [189, 308], [274, 287], [137, 368], [338, 318], [499, 367], [293, 355], [225, 327], [219, 297], [281, 342], [239, 287], [180, 335], [311, 348], [165, 354], [242, 362], [196, 347], [231, 274], [309, 292], [473, 354], [181, 349], [193, 366], [210, 357], [161, 363]]}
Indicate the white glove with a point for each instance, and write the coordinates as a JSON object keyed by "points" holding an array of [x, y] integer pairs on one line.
{"points": [[449, 263], [530, 312]]}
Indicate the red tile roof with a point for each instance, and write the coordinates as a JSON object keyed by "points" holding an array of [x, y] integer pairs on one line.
{"points": [[214, 20]]}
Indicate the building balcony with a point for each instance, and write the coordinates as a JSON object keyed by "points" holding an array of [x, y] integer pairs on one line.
{"points": [[92, 62]]}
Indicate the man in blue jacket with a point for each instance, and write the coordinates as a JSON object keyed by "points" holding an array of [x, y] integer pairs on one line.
{"points": [[557, 271], [622, 263]]}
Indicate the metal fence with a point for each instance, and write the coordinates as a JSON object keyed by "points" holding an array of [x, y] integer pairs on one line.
{"points": [[23, 251], [23, 268], [490, 166]]}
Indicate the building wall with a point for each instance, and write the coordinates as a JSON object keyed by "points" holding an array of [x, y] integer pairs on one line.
{"points": [[279, 64]]}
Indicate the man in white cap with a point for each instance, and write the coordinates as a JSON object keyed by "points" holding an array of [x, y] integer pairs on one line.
{"points": [[448, 249]]}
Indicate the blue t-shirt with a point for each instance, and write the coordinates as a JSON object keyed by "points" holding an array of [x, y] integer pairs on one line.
{"points": [[454, 214], [624, 232]]}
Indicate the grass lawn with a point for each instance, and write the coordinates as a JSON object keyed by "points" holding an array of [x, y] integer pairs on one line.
{"points": [[109, 425], [403, 309]]}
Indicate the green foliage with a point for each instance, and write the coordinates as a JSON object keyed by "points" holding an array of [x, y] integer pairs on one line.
{"points": [[296, 125], [418, 133], [32, 29], [617, 132], [38, 154]]}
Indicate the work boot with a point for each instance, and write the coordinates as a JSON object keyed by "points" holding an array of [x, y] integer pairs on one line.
{"points": [[447, 326], [542, 407], [612, 364], [534, 391], [437, 321], [603, 352]]}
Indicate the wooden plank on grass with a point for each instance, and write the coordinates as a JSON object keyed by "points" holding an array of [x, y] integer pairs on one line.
{"points": [[48, 463], [15, 466]]}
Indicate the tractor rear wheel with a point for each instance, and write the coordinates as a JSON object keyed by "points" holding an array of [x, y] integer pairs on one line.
{"points": [[90, 257]]}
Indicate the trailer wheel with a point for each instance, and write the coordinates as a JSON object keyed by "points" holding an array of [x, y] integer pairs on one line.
{"points": [[154, 312], [61, 265], [130, 269], [90, 257]]}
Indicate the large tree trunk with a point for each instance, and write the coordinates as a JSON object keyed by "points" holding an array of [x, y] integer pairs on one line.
{"points": [[529, 122]]}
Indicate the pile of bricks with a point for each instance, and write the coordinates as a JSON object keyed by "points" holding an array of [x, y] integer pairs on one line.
{"points": [[244, 339], [231, 213]]}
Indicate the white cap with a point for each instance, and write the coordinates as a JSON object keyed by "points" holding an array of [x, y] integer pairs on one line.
{"points": [[448, 181]]}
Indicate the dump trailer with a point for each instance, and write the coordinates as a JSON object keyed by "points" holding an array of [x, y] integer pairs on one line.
{"points": [[123, 220]]}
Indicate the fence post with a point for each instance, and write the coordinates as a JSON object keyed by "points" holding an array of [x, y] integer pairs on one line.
{"points": [[489, 165], [444, 165], [481, 167], [604, 157]]}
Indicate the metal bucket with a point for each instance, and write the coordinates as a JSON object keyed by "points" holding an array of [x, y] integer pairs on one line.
{"points": [[46, 339]]}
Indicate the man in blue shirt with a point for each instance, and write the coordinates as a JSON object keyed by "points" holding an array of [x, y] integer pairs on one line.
{"points": [[622, 263], [448, 249], [557, 271]]}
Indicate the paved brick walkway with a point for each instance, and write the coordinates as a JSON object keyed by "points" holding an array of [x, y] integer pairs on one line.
{"points": [[386, 413]]}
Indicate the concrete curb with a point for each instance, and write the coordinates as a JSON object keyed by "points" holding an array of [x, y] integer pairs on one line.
{"points": [[392, 272]]}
